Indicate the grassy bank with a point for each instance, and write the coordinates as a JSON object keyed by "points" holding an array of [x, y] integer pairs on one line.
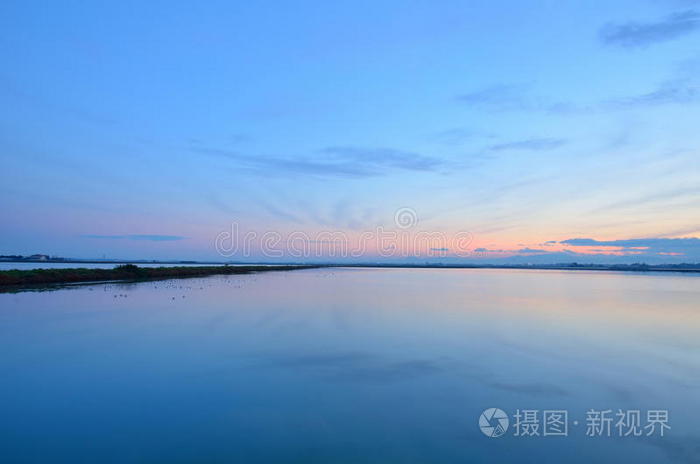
{"points": [[125, 272]]}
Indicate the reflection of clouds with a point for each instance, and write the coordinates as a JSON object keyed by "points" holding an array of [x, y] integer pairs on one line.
{"points": [[623, 396], [532, 144], [571, 386], [364, 367], [490, 379], [355, 367], [678, 449], [531, 389]]}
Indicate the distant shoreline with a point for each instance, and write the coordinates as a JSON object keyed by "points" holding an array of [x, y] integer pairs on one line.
{"points": [[15, 279], [637, 267], [536, 267]]}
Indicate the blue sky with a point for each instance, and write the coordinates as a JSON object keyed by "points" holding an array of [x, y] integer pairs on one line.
{"points": [[144, 129]]}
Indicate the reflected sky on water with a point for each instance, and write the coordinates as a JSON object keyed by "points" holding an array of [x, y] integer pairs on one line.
{"points": [[347, 366]]}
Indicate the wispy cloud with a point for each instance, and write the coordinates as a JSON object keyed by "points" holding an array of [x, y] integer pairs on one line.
{"points": [[354, 367], [149, 237], [382, 158], [280, 213], [534, 144], [589, 250], [337, 161], [512, 97], [531, 250], [682, 87], [668, 195], [458, 135], [683, 90], [678, 91], [685, 246], [695, 230], [497, 97], [639, 34], [269, 165], [487, 250]]}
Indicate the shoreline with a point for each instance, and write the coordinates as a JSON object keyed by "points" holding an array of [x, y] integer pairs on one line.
{"points": [[640, 267], [17, 279], [534, 267]]}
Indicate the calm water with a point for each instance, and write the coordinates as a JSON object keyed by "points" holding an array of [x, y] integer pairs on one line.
{"points": [[347, 366]]}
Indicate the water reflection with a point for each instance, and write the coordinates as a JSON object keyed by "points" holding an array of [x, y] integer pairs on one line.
{"points": [[346, 365]]}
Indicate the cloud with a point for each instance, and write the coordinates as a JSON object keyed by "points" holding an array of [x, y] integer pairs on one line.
{"points": [[339, 161], [535, 144], [654, 250], [458, 135], [654, 198], [513, 97], [382, 157], [684, 231], [636, 34], [355, 367], [283, 214], [679, 3], [240, 138], [497, 97], [531, 250], [685, 246], [681, 87], [148, 237], [681, 91]]}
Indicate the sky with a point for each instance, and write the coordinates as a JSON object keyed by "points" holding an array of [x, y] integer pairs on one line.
{"points": [[454, 131]]}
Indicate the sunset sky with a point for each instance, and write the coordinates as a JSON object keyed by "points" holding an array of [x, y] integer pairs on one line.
{"points": [[542, 131]]}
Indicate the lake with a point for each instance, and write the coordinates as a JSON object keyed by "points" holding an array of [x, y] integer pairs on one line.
{"points": [[352, 366]]}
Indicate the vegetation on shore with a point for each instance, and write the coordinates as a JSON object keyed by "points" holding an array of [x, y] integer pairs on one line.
{"points": [[125, 272]]}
